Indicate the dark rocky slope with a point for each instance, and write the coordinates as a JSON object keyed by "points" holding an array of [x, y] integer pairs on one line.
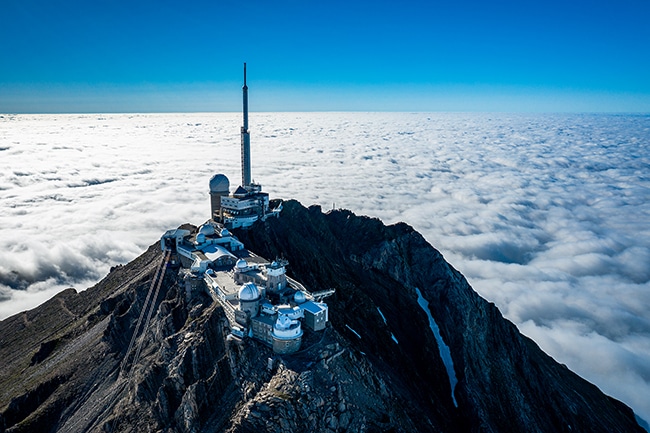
{"points": [[61, 362]]}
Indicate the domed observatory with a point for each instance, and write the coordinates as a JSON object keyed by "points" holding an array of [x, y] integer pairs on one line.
{"points": [[240, 269], [299, 297], [207, 230], [287, 335], [241, 266], [249, 299], [219, 187]]}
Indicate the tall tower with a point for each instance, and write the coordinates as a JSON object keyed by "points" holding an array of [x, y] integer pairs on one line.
{"points": [[245, 141]]}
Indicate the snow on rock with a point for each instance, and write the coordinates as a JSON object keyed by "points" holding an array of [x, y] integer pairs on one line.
{"points": [[382, 315], [355, 332], [445, 353]]}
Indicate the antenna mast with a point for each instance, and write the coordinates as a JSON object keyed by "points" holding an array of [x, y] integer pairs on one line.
{"points": [[245, 140]]}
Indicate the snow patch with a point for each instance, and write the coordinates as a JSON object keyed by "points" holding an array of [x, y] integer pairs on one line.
{"points": [[445, 353], [382, 315], [355, 332]]}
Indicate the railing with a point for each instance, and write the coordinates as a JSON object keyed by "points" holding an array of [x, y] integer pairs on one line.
{"points": [[296, 285], [229, 310], [316, 296]]}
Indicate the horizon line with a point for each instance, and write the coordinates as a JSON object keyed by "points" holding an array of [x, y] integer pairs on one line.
{"points": [[604, 112]]}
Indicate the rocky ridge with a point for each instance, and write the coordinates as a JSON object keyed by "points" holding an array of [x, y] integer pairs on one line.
{"points": [[377, 368]]}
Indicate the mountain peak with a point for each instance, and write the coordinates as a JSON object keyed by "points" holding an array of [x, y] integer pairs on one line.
{"points": [[409, 347]]}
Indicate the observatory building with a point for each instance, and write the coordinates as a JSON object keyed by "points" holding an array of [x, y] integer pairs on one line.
{"points": [[247, 203], [259, 299]]}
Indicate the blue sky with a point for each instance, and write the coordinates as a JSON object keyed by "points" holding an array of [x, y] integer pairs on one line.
{"points": [[143, 56]]}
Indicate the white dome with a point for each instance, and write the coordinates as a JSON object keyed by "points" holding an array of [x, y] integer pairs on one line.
{"points": [[299, 297], [241, 265], [207, 229], [219, 184], [249, 292]]}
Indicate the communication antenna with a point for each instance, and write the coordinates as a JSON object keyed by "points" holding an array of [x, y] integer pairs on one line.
{"points": [[245, 140]]}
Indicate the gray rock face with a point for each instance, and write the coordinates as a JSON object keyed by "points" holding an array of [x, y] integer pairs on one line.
{"points": [[377, 368]]}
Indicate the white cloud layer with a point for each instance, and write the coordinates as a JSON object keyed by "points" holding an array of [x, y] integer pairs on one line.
{"points": [[547, 215]]}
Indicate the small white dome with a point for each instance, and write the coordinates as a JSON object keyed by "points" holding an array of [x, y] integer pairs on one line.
{"points": [[207, 229], [241, 265], [299, 297], [249, 292], [219, 184]]}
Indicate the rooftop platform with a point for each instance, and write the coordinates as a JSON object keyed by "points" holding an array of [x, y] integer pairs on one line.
{"points": [[227, 286]]}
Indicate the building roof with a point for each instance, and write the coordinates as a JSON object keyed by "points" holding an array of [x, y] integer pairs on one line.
{"points": [[219, 184], [299, 297], [242, 265], [240, 191], [207, 229], [226, 284], [249, 292], [213, 252], [312, 307], [266, 319]]}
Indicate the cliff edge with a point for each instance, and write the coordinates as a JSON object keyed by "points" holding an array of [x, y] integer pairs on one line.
{"points": [[410, 347]]}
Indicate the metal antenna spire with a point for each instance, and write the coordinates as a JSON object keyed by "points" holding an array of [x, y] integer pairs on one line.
{"points": [[245, 140]]}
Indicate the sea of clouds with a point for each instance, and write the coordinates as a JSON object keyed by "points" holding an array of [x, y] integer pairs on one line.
{"points": [[548, 216]]}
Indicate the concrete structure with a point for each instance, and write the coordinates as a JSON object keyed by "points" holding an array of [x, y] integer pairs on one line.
{"points": [[219, 187], [258, 298], [287, 335], [316, 315], [249, 299], [247, 203], [270, 276], [245, 140]]}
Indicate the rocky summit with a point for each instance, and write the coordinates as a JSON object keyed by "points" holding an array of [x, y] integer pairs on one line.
{"points": [[410, 347]]}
